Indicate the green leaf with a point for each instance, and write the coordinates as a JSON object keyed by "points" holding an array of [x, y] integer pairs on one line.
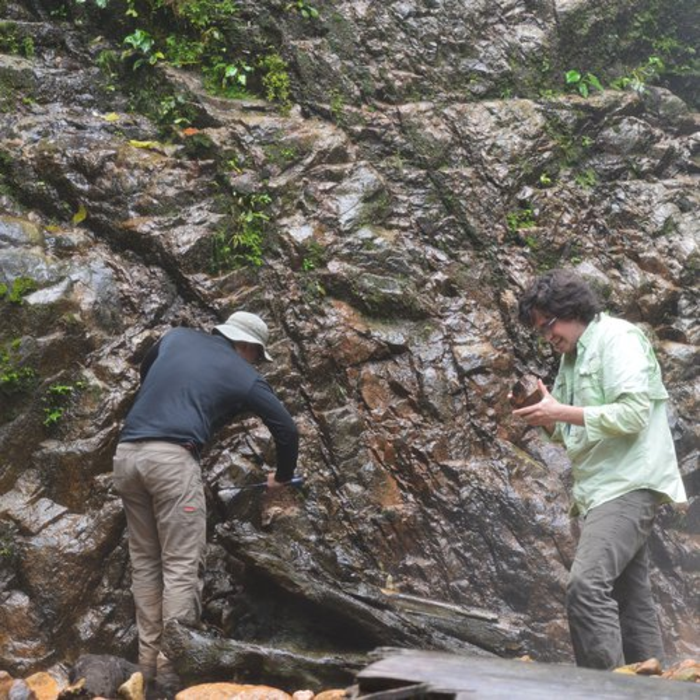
{"points": [[593, 80], [144, 144], [80, 215]]}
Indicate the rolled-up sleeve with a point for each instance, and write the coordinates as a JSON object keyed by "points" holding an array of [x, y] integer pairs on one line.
{"points": [[627, 416]]}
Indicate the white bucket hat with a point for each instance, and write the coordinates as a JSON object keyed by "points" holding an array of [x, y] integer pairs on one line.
{"points": [[248, 328]]}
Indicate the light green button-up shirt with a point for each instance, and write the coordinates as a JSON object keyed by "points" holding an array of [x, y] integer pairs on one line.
{"points": [[626, 441]]}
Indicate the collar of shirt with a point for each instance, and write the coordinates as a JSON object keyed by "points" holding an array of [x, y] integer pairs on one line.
{"points": [[589, 334]]}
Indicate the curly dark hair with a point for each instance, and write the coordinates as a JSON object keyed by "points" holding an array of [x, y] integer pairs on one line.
{"points": [[560, 293]]}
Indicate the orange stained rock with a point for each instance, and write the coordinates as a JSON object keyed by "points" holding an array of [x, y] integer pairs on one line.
{"points": [[349, 316], [384, 448], [375, 391], [44, 686], [5, 683], [133, 689], [687, 670], [650, 667], [335, 694], [232, 691]]}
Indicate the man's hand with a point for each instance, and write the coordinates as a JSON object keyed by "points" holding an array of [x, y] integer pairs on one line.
{"points": [[272, 483], [549, 411], [543, 414]]}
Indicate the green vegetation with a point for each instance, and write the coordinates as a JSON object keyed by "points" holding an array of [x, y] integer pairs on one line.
{"points": [[572, 148], [8, 547], [314, 256], [282, 155], [337, 106], [241, 240], [523, 217], [545, 180], [306, 10], [15, 377], [142, 49], [206, 35], [636, 80], [275, 79], [640, 76], [611, 40], [57, 401], [20, 287], [583, 83], [228, 79], [12, 41], [586, 178], [667, 33], [174, 109], [108, 62]]}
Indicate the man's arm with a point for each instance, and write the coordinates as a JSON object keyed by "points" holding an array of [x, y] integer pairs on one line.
{"points": [[262, 401], [150, 358], [627, 415]]}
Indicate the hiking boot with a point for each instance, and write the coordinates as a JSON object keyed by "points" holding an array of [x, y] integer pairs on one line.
{"points": [[164, 687]]}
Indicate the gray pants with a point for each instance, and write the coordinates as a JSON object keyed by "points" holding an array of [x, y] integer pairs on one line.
{"points": [[160, 484], [611, 611]]}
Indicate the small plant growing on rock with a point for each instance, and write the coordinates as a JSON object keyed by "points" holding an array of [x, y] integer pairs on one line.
{"points": [[314, 256], [520, 218], [337, 106], [20, 287], [57, 400], [641, 76], [175, 110], [242, 244], [14, 375], [545, 180], [108, 62], [142, 48], [229, 79], [8, 545], [306, 10], [275, 79], [582, 83], [586, 178], [13, 43]]}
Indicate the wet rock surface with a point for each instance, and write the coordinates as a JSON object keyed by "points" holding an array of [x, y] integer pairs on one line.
{"points": [[401, 227]]}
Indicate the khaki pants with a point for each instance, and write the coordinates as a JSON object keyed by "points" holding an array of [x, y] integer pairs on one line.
{"points": [[160, 484], [611, 610]]}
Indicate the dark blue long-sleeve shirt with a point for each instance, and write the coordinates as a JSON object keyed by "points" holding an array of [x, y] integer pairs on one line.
{"points": [[192, 384]]}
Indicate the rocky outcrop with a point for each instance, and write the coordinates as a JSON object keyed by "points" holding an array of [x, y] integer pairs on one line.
{"points": [[400, 222]]}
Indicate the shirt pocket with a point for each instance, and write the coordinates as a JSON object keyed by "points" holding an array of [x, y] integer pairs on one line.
{"points": [[589, 388]]}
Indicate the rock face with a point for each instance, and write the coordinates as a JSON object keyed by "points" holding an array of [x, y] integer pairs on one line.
{"points": [[402, 209]]}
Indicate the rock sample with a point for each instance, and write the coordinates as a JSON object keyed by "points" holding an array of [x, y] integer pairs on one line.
{"points": [[525, 392]]}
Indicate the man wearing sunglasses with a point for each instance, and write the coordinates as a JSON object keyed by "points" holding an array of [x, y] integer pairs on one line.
{"points": [[192, 384], [608, 408]]}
